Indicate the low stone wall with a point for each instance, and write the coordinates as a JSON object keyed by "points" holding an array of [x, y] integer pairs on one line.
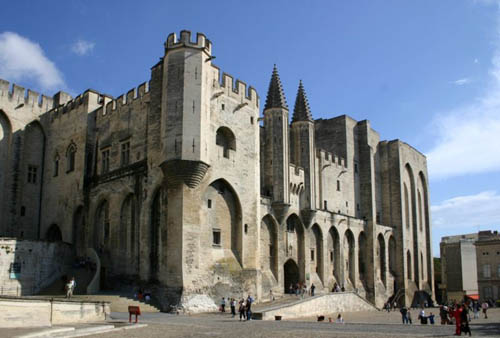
{"points": [[318, 305], [25, 312]]}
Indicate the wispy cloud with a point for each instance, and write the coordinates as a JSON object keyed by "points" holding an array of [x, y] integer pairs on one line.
{"points": [[21, 58], [82, 47], [464, 212], [467, 136], [461, 82], [476, 60]]}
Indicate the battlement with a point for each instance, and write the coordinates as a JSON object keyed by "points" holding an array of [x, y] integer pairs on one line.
{"points": [[27, 97], [330, 158], [125, 99], [68, 106], [185, 41], [236, 89]]}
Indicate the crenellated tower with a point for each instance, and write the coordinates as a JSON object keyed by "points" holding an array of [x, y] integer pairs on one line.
{"points": [[302, 146], [277, 145], [184, 112]]}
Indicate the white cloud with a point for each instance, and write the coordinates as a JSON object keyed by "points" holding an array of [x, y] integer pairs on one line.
{"points": [[467, 139], [461, 82], [476, 60], [82, 47], [21, 58], [464, 213]]}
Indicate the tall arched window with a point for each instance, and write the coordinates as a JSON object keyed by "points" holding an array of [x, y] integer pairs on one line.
{"points": [[225, 138], [70, 157], [56, 165]]}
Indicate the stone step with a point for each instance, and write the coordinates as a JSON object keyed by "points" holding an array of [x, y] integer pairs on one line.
{"points": [[120, 303]]}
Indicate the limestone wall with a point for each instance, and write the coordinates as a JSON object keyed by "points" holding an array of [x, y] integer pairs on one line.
{"points": [[18, 312], [26, 267]]}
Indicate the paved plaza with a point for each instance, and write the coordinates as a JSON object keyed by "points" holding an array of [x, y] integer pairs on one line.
{"points": [[358, 324]]}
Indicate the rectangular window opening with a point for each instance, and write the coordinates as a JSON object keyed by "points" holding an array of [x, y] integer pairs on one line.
{"points": [[209, 203], [216, 239], [125, 158], [312, 255]]}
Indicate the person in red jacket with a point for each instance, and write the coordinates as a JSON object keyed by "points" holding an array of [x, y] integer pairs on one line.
{"points": [[457, 313]]}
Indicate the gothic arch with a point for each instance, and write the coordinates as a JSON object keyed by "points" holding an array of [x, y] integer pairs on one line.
{"points": [[317, 245], [413, 219], [333, 245], [157, 232], [362, 252], [269, 245], [381, 258], [5, 144], [54, 234], [295, 242], [101, 226], [408, 265], [71, 157], [79, 230], [225, 217], [127, 229], [349, 254], [392, 255]]}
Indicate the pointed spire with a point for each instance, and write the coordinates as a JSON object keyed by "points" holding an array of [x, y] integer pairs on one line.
{"points": [[275, 95], [301, 112]]}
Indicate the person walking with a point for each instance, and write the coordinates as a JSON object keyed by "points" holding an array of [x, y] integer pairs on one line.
{"points": [[312, 289], [464, 321], [404, 315], [476, 309], [242, 309], [223, 305], [249, 307], [457, 314], [408, 314], [485, 307], [233, 307]]}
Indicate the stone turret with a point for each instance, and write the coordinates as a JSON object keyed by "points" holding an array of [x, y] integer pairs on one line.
{"points": [[277, 145], [303, 150]]}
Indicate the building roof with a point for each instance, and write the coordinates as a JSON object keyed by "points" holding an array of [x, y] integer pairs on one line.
{"points": [[275, 96], [301, 112]]}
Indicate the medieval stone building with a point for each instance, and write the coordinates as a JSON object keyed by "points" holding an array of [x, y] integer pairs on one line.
{"points": [[183, 184]]}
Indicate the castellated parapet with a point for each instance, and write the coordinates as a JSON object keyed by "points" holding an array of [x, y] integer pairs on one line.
{"points": [[18, 95], [164, 184]]}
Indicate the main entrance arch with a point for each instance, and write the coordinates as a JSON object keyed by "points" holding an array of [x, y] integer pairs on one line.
{"points": [[292, 274]]}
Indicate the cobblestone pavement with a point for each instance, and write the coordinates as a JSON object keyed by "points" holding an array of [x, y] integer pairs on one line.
{"points": [[358, 324]]}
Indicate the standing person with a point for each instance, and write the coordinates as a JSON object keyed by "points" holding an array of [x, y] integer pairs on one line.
{"points": [[408, 314], [312, 289], [464, 318], [340, 320], [485, 309], [342, 288], [291, 289], [457, 313], [422, 317], [223, 305], [242, 309], [249, 307], [431, 318], [233, 307], [404, 315], [475, 309], [271, 296]]}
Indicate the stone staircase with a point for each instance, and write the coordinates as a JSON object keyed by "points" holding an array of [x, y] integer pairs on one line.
{"points": [[290, 306], [83, 276], [120, 302]]}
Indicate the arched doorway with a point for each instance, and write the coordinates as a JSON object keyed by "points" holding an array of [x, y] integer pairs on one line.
{"points": [[316, 246], [350, 265], [292, 274], [381, 256], [333, 244], [295, 242], [54, 234]]}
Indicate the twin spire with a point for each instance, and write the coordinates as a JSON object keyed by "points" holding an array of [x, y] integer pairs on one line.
{"points": [[276, 99]]}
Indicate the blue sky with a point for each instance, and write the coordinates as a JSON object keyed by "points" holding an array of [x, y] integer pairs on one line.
{"points": [[426, 72]]}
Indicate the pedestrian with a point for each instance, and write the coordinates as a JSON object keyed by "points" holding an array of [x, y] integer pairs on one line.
{"points": [[233, 307], [388, 307], [404, 315], [485, 309], [249, 307], [312, 289], [223, 305], [476, 309], [298, 289], [408, 314], [340, 320], [395, 305], [291, 289], [457, 314], [271, 296], [242, 309], [464, 321], [431, 318], [304, 290], [334, 289], [342, 288], [422, 317]]}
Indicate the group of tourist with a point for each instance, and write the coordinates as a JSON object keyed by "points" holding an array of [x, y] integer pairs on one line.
{"points": [[244, 307], [337, 288], [460, 315]]}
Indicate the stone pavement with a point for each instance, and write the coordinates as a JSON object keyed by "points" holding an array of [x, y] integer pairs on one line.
{"points": [[359, 324]]}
